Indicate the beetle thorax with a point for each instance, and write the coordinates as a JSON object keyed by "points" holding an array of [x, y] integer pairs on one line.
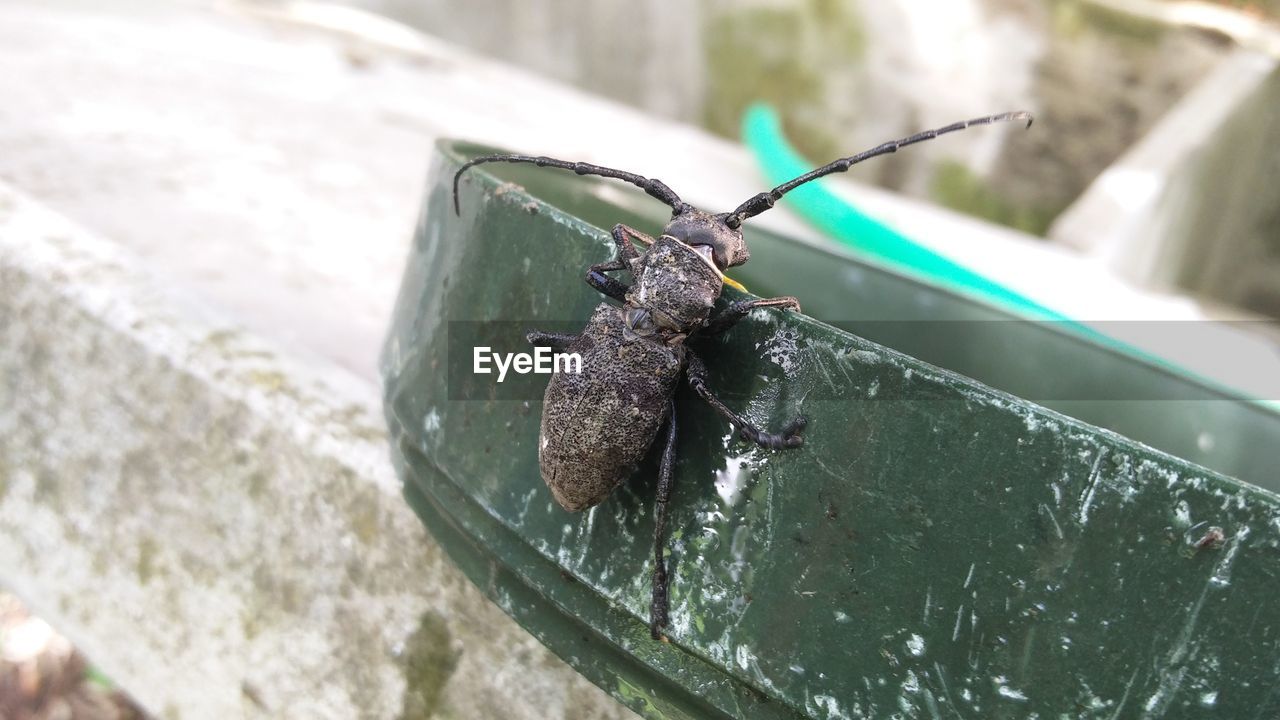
{"points": [[675, 288]]}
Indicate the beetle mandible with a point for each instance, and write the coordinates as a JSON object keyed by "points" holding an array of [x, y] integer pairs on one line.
{"points": [[598, 424]]}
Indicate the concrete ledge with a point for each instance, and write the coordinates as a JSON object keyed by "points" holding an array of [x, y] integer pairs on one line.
{"points": [[215, 522], [205, 505], [1179, 210]]}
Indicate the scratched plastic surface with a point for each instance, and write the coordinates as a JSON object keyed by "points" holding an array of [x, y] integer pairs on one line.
{"points": [[936, 549]]}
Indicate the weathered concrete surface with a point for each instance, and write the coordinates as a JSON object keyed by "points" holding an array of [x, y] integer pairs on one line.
{"points": [[852, 74], [216, 523], [270, 158], [210, 513], [1183, 208]]}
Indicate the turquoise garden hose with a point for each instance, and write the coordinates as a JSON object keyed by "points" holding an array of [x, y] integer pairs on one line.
{"points": [[870, 238]]}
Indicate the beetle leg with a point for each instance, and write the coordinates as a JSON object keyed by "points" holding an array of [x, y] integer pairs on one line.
{"points": [[603, 284], [666, 476], [555, 341], [788, 438], [728, 317], [623, 237]]}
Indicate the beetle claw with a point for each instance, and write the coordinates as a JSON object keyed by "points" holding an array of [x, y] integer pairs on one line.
{"points": [[791, 433]]}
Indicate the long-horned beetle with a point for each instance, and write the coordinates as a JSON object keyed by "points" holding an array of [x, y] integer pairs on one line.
{"points": [[598, 424]]}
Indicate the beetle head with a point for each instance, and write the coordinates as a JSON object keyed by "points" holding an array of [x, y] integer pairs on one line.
{"points": [[711, 234]]}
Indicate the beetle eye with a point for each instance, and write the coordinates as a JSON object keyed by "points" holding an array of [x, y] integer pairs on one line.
{"points": [[699, 236]]}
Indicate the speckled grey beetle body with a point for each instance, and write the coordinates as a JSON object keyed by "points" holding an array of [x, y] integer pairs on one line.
{"points": [[597, 425], [583, 449]]}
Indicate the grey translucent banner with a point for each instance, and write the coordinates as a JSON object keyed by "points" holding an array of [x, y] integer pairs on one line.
{"points": [[1042, 361]]}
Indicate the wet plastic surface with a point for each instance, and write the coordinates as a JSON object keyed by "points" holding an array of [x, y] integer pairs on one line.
{"points": [[936, 549]]}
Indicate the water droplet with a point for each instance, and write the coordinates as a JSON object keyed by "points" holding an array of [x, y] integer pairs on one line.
{"points": [[912, 683], [915, 645], [1182, 513], [1205, 442], [1005, 691], [782, 351], [731, 481]]}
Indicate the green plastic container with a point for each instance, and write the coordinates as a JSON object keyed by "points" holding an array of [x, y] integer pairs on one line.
{"points": [[938, 548]]}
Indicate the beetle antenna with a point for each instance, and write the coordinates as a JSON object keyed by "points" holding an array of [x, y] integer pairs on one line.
{"points": [[655, 188], [764, 201]]}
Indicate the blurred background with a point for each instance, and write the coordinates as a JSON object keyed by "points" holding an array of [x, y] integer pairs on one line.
{"points": [[847, 75], [850, 74], [267, 158]]}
